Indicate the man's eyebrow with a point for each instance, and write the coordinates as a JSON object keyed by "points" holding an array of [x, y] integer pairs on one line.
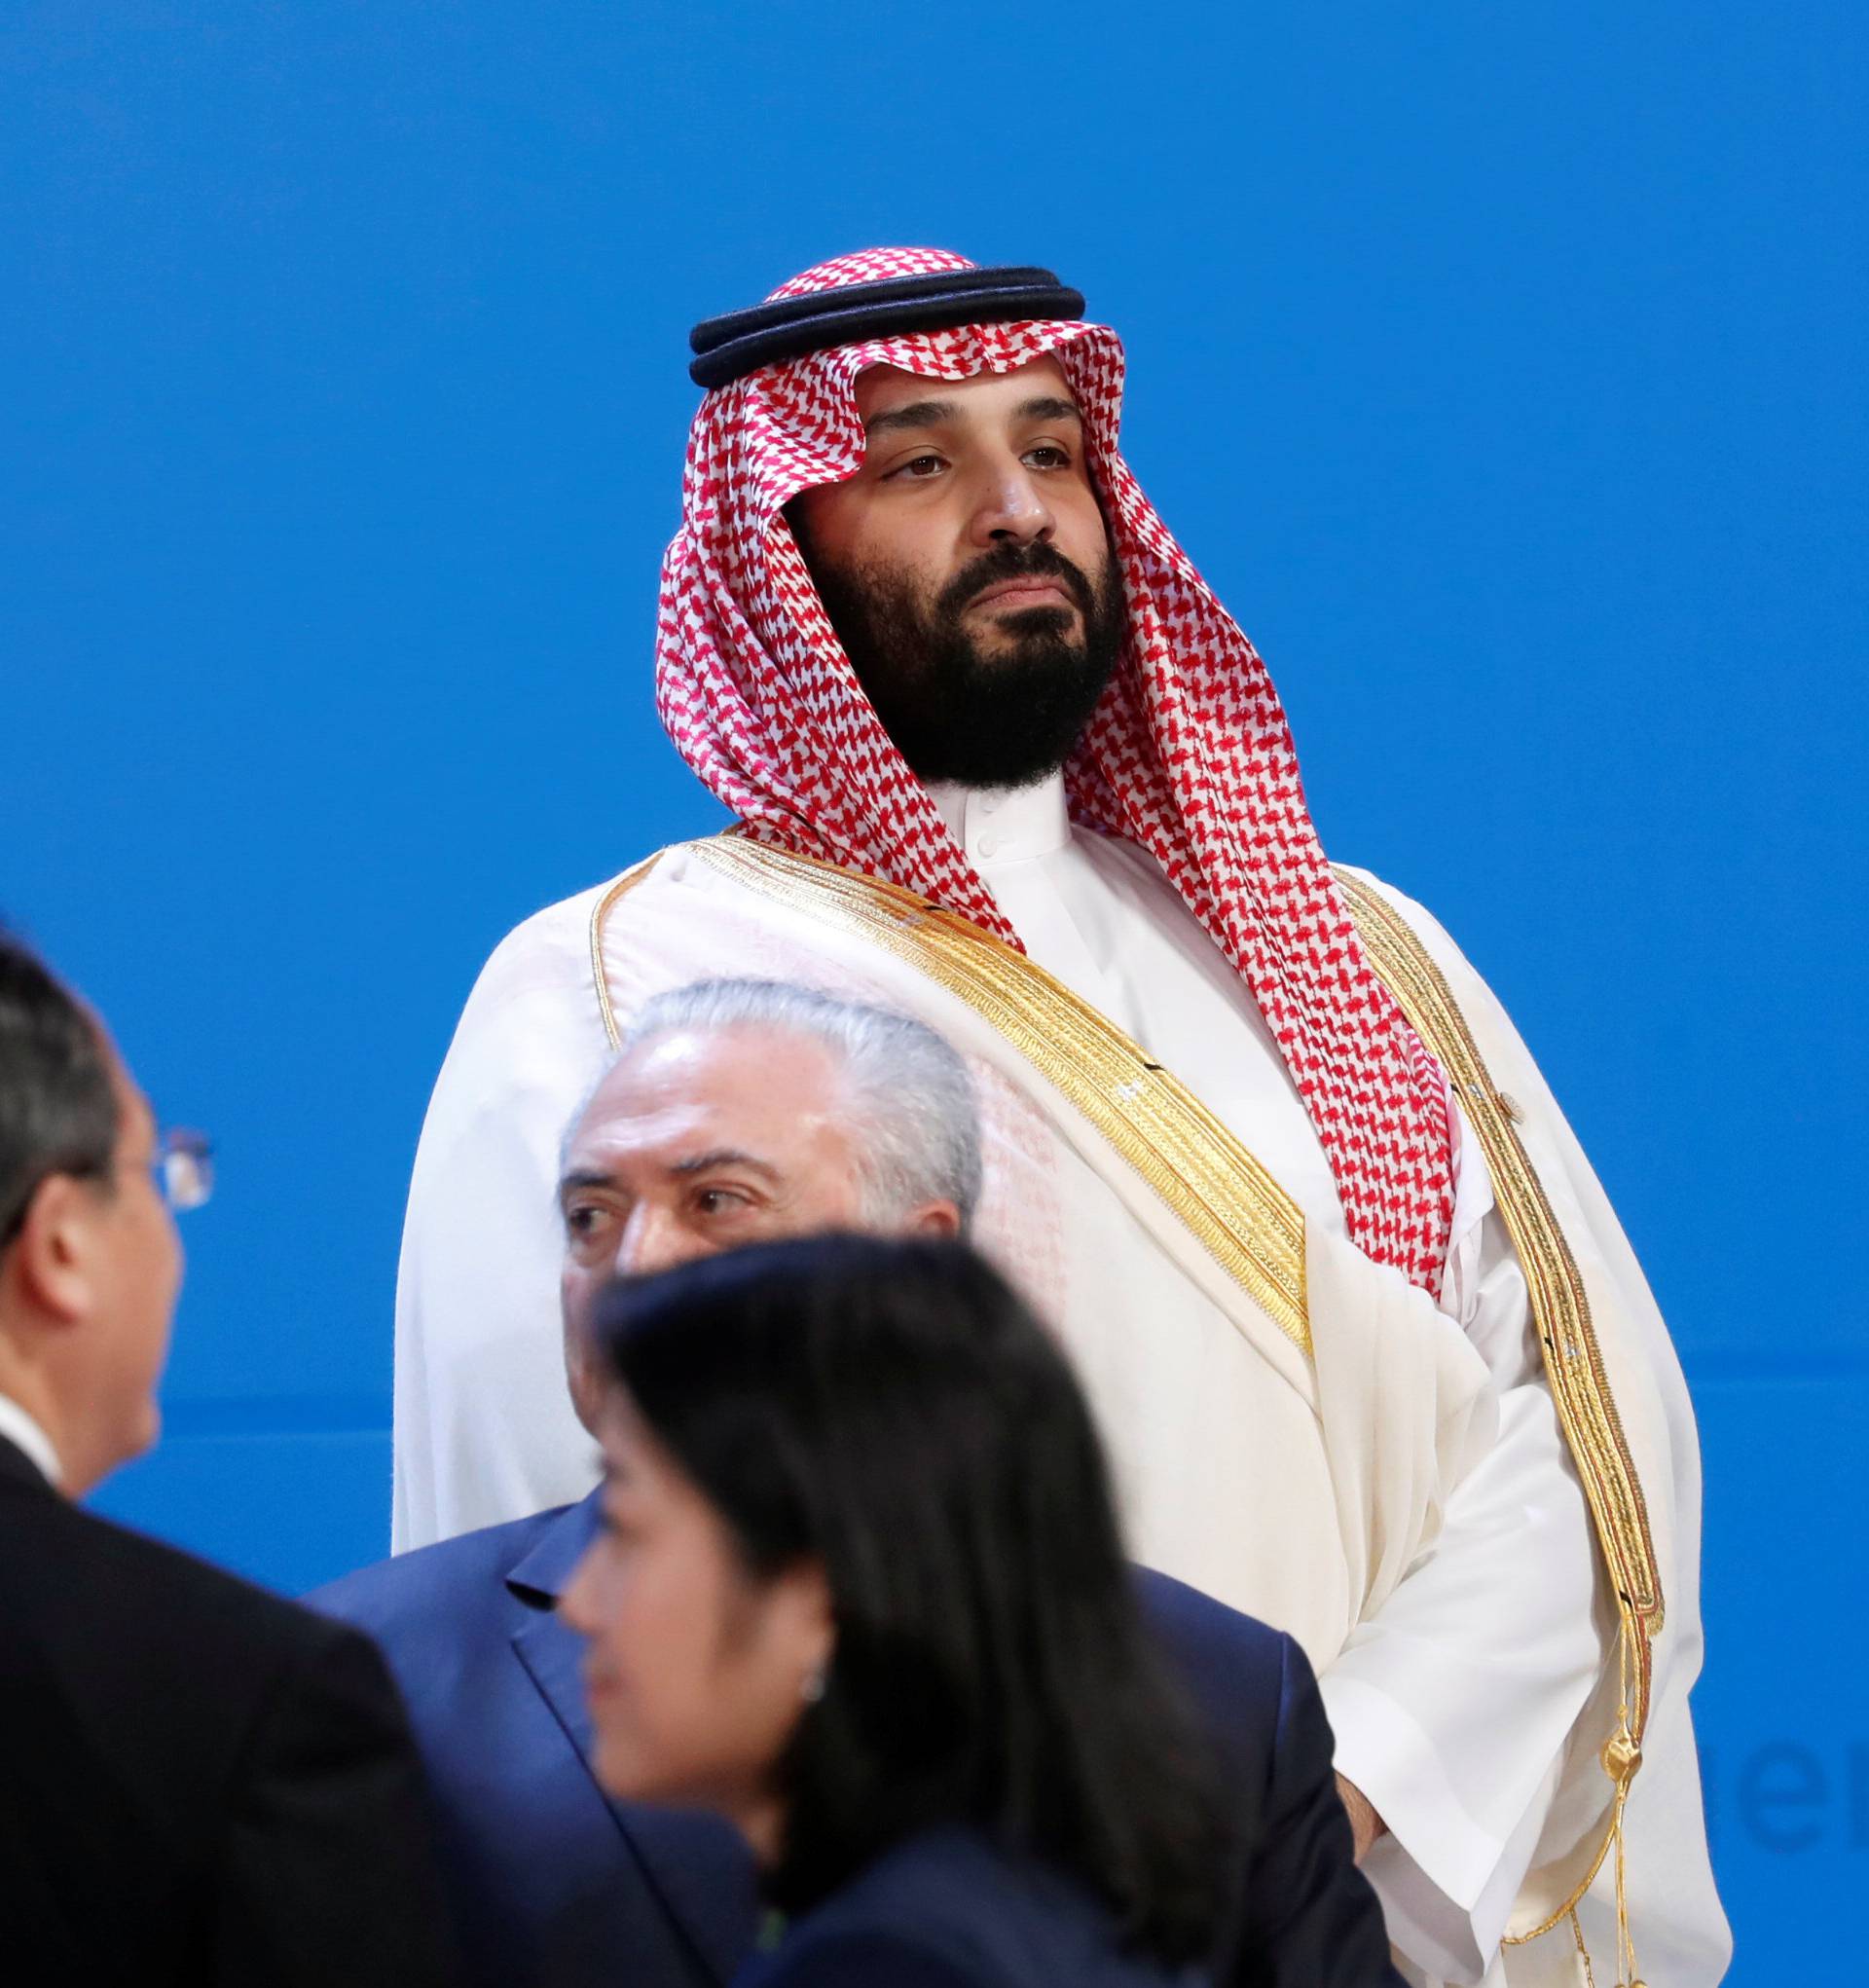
{"points": [[918, 414], [583, 1177], [723, 1156], [929, 414]]}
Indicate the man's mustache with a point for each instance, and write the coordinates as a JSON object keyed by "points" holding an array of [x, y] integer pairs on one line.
{"points": [[1038, 561]]}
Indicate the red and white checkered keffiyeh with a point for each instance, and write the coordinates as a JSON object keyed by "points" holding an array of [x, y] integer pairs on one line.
{"points": [[1187, 755]]}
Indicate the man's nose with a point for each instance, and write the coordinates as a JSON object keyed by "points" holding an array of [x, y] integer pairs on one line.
{"points": [[1011, 509], [652, 1241]]}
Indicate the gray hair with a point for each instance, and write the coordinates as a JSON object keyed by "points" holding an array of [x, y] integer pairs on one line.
{"points": [[918, 1136]]}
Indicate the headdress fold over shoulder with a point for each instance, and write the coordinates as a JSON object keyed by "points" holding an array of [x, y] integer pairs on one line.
{"points": [[739, 342]]}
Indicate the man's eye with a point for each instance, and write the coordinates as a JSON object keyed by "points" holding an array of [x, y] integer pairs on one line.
{"points": [[917, 470], [581, 1218], [1049, 455], [718, 1201]]}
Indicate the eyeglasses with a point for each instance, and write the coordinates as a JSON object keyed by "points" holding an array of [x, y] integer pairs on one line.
{"points": [[184, 1168]]}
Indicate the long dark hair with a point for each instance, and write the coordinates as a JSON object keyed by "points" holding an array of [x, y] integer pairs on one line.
{"points": [[891, 1409]]}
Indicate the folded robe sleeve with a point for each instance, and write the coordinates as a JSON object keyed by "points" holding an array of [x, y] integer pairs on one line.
{"points": [[1452, 1705]]}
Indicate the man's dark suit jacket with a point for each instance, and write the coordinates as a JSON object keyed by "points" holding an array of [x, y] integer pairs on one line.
{"points": [[200, 1783], [561, 1888]]}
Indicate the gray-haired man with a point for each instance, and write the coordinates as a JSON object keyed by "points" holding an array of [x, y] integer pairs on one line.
{"points": [[738, 1111]]}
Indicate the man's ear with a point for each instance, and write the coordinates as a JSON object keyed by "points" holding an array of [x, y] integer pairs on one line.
{"points": [[940, 1220], [53, 1256]]}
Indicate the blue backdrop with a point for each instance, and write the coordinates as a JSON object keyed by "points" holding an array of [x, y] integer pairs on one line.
{"points": [[1501, 366]]}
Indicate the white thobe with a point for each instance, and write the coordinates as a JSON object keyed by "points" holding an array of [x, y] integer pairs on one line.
{"points": [[1476, 1667], [1459, 1662]]}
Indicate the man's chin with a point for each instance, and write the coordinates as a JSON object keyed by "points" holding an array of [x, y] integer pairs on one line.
{"points": [[1007, 637]]}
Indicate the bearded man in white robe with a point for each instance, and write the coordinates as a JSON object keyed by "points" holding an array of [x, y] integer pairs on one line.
{"points": [[1374, 1358]]}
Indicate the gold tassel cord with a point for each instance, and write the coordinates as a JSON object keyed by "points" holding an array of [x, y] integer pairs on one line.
{"points": [[1622, 1757], [1583, 1952]]}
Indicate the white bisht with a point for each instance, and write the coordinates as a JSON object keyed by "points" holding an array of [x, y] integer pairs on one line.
{"points": [[1287, 1419]]}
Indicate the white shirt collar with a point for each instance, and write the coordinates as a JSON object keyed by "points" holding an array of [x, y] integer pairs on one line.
{"points": [[999, 824], [19, 1429]]}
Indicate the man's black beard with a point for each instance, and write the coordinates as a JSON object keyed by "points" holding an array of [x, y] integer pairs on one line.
{"points": [[1005, 718]]}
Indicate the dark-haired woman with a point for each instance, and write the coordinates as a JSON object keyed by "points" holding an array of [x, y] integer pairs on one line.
{"points": [[860, 1588]]}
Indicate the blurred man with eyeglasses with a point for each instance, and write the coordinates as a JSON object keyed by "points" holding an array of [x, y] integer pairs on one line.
{"points": [[200, 1783]]}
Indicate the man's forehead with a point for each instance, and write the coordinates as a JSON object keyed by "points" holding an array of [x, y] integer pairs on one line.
{"points": [[693, 1085], [656, 1092], [618, 1124], [881, 390]]}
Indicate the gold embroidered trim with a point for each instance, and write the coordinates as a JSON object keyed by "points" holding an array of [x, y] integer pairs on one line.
{"points": [[1227, 1200], [600, 911], [1573, 1359]]}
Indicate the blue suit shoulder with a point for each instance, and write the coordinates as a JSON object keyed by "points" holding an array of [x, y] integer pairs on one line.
{"points": [[1240, 1676], [443, 1616], [1307, 1914], [1202, 1635], [554, 1886], [455, 1618], [396, 1598]]}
